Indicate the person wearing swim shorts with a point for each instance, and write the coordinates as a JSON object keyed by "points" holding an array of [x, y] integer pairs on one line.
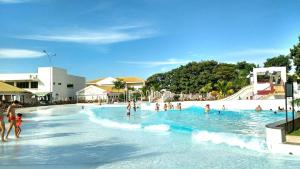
{"points": [[11, 112]]}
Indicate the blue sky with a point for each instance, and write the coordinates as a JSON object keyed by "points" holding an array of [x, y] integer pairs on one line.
{"points": [[142, 37]]}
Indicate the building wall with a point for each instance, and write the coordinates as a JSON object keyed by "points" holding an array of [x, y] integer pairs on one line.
{"points": [[48, 79], [60, 81], [135, 85], [92, 93], [261, 86]]}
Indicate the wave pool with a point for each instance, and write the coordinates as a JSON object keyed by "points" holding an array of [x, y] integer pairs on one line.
{"points": [[105, 137]]}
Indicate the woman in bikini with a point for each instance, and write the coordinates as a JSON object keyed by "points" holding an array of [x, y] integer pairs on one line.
{"points": [[2, 123], [11, 112]]}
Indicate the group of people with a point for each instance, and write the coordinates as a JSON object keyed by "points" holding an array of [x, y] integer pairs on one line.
{"points": [[14, 120], [129, 105], [169, 106]]}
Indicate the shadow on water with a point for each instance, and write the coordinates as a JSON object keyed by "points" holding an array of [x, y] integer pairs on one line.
{"points": [[84, 155]]}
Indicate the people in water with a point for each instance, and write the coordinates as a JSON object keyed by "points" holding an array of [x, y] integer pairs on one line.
{"points": [[19, 123], [11, 113], [134, 106], [2, 123], [156, 107], [258, 108], [207, 108], [170, 106], [128, 108], [280, 109], [165, 107], [223, 107], [178, 106]]}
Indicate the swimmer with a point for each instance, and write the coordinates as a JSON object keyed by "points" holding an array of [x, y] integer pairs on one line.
{"points": [[207, 108]]}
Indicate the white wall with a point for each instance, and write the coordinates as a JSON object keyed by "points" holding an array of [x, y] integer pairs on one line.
{"points": [[45, 77], [61, 80], [17, 76], [262, 86], [92, 93]]}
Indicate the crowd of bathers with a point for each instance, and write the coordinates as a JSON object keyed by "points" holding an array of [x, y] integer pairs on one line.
{"points": [[14, 120]]}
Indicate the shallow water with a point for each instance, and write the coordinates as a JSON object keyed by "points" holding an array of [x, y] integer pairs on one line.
{"points": [[68, 137]]}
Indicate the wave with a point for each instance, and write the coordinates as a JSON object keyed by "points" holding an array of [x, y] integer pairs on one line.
{"points": [[230, 139], [114, 124], [157, 128]]}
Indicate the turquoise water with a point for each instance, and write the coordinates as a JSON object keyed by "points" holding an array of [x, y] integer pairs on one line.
{"points": [[69, 137], [244, 129]]}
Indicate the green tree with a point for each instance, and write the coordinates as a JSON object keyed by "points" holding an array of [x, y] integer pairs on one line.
{"points": [[295, 55], [206, 89], [119, 84], [280, 60], [223, 87]]}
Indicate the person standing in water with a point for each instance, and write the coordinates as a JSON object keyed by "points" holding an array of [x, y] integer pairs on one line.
{"points": [[11, 112], [128, 108], [134, 106], [2, 123], [19, 123], [207, 108], [165, 107], [156, 107]]}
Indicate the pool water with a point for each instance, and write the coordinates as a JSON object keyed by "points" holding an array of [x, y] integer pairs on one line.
{"points": [[104, 137], [245, 129]]}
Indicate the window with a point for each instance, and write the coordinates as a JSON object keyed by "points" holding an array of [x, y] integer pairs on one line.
{"points": [[70, 86], [23, 85], [59, 83], [34, 85]]}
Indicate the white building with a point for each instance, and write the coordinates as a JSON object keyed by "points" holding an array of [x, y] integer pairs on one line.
{"points": [[103, 88], [48, 83], [266, 78]]}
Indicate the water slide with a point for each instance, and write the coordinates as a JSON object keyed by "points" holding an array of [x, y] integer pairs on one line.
{"points": [[245, 92]]}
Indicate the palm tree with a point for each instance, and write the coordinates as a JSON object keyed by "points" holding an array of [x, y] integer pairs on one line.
{"points": [[223, 87], [206, 89], [119, 84], [144, 92]]}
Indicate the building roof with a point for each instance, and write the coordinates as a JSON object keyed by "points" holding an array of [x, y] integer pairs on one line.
{"points": [[132, 79], [6, 88], [111, 89], [95, 80], [126, 79]]}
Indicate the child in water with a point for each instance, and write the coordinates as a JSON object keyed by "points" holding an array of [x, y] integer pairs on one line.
{"points": [[19, 123], [207, 108], [165, 107]]}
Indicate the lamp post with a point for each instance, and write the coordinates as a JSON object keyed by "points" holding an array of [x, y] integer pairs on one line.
{"points": [[50, 56]]}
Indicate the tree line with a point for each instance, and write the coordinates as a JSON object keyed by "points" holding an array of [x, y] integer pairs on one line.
{"points": [[221, 79]]}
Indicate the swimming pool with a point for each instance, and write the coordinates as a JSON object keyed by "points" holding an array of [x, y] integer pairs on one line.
{"points": [[104, 137]]}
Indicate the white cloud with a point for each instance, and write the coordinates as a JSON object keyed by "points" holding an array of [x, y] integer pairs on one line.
{"points": [[258, 52], [158, 63], [19, 53], [108, 36]]}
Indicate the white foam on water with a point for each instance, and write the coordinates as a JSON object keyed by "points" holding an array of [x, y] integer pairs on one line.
{"points": [[111, 124], [114, 124], [230, 139], [157, 128]]}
